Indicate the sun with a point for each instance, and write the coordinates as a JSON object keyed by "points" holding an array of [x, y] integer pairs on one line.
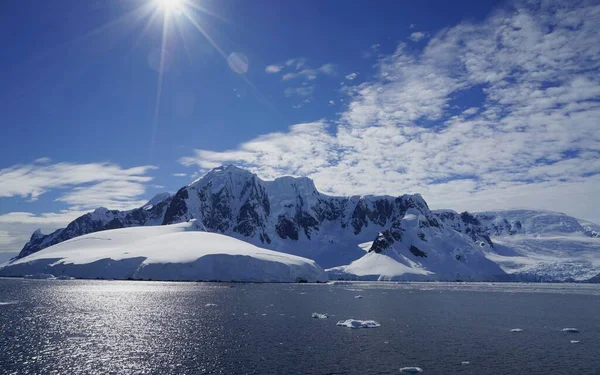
{"points": [[170, 5]]}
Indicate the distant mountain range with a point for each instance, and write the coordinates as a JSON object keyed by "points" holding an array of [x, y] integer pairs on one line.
{"points": [[364, 237]]}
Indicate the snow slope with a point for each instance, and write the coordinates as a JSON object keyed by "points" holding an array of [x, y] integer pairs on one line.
{"points": [[419, 251], [169, 252]]}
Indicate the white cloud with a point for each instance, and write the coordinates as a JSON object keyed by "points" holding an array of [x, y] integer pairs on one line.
{"points": [[43, 160], [533, 141], [273, 68], [180, 174], [331, 102], [411, 26], [310, 74], [417, 36], [351, 76], [32, 180]]}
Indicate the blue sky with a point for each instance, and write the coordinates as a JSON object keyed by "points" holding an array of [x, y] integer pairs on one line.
{"points": [[476, 105]]}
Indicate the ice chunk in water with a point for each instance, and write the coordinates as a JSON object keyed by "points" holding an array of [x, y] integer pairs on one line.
{"points": [[358, 297], [571, 330], [516, 330], [319, 316], [465, 363], [574, 341], [40, 276], [411, 370], [65, 277], [353, 323], [211, 304]]}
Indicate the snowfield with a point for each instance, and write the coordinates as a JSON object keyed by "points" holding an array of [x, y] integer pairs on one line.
{"points": [[169, 252]]}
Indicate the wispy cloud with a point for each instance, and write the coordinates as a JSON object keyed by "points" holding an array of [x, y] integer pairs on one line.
{"points": [[351, 76], [273, 68], [32, 180], [532, 140], [417, 36], [179, 174], [310, 74]]}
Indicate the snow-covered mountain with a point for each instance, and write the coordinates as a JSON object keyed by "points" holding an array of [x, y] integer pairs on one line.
{"points": [[362, 236], [169, 252]]}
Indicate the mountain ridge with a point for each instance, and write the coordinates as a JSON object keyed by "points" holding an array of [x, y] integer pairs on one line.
{"points": [[288, 214]]}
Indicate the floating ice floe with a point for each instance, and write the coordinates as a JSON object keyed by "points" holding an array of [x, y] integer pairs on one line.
{"points": [[516, 330], [358, 297], [320, 316], [340, 283], [574, 341], [464, 363], [571, 330], [411, 370], [210, 304], [65, 277], [40, 276], [353, 323]]}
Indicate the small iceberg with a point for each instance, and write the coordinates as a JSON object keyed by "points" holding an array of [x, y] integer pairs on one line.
{"points": [[340, 283], [319, 316], [65, 277], [516, 330], [411, 370], [40, 276], [571, 330], [464, 363], [353, 323], [574, 341], [358, 297], [210, 304]]}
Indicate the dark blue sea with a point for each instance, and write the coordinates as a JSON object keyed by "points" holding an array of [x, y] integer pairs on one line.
{"points": [[128, 327]]}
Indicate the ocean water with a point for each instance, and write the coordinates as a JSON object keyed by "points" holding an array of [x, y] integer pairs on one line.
{"points": [[127, 327]]}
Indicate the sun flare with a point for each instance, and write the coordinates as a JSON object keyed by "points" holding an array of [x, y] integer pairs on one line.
{"points": [[170, 5]]}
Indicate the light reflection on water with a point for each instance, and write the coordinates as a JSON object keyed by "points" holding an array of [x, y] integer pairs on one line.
{"points": [[83, 327]]}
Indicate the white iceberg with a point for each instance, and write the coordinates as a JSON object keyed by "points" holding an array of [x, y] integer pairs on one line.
{"points": [[210, 304], [353, 323], [464, 363], [65, 277], [40, 276], [165, 252], [358, 297], [571, 330], [411, 370], [574, 341], [516, 330], [319, 316]]}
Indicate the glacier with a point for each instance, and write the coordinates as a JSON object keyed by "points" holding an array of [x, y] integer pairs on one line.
{"points": [[170, 252]]}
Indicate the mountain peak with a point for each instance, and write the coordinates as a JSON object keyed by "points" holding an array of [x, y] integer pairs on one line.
{"points": [[36, 235]]}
